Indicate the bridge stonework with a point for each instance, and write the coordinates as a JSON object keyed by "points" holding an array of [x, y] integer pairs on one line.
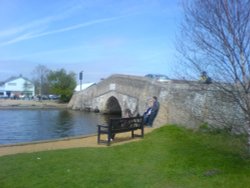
{"points": [[183, 103]]}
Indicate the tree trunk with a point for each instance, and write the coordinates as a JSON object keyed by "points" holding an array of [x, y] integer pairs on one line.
{"points": [[248, 134]]}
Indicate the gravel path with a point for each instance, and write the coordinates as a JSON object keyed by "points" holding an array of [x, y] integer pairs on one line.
{"points": [[87, 141]]}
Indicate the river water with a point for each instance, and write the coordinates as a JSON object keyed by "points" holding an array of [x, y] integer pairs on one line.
{"points": [[26, 125]]}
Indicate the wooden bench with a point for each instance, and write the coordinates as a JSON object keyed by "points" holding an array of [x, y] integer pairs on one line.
{"points": [[120, 125]]}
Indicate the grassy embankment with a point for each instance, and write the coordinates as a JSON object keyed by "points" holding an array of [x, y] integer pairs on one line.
{"points": [[167, 157]]}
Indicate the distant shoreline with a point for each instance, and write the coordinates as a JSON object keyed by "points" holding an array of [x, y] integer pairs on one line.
{"points": [[30, 104]]}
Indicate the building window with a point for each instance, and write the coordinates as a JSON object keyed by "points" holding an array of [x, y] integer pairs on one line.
{"points": [[29, 85], [12, 84]]}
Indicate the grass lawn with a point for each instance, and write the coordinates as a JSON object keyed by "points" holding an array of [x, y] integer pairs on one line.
{"points": [[167, 157]]}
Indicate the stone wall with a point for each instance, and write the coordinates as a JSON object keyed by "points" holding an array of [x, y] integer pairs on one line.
{"points": [[187, 103]]}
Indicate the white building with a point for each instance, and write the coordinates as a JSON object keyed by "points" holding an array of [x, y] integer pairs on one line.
{"points": [[17, 87]]}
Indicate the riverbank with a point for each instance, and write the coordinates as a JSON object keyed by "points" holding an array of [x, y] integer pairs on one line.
{"points": [[170, 156], [8, 103]]}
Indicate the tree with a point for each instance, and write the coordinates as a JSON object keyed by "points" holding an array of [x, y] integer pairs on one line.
{"points": [[62, 84], [215, 38], [40, 79]]}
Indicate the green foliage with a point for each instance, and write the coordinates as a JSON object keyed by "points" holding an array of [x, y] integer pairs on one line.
{"points": [[167, 157], [62, 84]]}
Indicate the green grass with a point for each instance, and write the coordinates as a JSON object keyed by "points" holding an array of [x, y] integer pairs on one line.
{"points": [[167, 157]]}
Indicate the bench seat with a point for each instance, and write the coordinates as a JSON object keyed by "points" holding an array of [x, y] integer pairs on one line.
{"points": [[120, 125]]}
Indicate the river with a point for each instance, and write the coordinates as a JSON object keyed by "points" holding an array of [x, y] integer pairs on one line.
{"points": [[27, 125]]}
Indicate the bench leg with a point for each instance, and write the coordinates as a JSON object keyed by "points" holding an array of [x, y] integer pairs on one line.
{"points": [[132, 134], [98, 136], [109, 138]]}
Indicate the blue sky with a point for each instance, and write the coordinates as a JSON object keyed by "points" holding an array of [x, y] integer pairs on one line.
{"points": [[100, 37]]}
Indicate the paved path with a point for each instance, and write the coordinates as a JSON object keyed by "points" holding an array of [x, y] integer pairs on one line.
{"points": [[88, 141]]}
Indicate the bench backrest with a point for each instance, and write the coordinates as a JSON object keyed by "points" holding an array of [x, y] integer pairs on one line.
{"points": [[126, 123]]}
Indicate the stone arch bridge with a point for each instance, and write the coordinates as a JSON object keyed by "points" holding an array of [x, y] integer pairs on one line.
{"points": [[181, 102]]}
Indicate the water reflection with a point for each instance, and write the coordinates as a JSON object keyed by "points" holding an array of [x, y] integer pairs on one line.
{"points": [[64, 124], [25, 125]]}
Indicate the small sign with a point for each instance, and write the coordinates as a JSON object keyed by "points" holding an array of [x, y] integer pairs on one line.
{"points": [[80, 76]]}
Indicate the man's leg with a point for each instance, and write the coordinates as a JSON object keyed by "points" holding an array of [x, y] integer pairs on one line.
{"points": [[151, 119]]}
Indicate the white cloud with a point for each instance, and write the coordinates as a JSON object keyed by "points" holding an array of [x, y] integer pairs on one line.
{"points": [[21, 32], [31, 35], [32, 25]]}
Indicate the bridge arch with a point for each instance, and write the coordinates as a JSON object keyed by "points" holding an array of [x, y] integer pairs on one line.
{"points": [[112, 106]]}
